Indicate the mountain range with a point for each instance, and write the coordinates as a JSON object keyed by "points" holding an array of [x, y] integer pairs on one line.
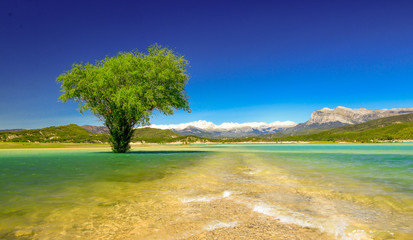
{"points": [[210, 130], [327, 118], [394, 128], [320, 120]]}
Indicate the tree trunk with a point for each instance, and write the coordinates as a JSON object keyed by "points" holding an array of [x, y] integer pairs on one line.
{"points": [[121, 133]]}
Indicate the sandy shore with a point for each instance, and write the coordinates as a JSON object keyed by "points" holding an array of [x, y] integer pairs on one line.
{"points": [[248, 224], [217, 219]]}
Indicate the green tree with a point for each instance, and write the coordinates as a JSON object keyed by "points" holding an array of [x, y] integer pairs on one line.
{"points": [[123, 91]]}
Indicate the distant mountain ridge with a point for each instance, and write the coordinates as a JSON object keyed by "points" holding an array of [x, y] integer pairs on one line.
{"points": [[207, 129], [327, 118], [12, 130]]}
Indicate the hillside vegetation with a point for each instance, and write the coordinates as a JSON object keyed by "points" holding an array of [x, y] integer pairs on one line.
{"points": [[63, 134], [292, 133], [153, 135], [389, 128], [75, 134], [375, 124]]}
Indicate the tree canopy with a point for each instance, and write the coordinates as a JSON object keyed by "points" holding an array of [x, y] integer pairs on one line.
{"points": [[124, 90]]}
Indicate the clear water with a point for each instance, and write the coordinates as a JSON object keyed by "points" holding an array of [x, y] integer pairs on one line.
{"points": [[344, 191]]}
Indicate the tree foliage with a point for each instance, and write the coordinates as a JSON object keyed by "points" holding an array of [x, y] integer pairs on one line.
{"points": [[124, 90]]}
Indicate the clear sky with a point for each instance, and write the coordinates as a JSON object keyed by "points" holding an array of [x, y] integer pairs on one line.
{"points": [[250, 60]]}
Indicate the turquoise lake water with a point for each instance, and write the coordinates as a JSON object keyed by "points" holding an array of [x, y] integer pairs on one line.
{"points": [[348, 191]]}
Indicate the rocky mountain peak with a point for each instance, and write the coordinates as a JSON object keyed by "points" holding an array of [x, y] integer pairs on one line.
{"points": [[352, 116], [327, 118]]}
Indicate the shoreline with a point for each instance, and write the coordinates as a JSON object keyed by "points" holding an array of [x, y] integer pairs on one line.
{"points": [[32, 146]]}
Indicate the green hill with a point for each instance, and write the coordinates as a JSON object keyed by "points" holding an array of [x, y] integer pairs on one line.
{"points": [[75, 134], [375, 124], [287, 134], [65, 134], [154, 135], [390, 128]]}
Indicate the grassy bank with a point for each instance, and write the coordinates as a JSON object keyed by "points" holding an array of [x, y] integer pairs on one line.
{"points": [[24, 145]]}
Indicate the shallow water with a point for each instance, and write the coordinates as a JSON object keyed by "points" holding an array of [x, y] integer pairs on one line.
{"points": [[336, 191]]}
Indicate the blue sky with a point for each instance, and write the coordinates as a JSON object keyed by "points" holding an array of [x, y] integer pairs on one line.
{"points": [[250, 60]]}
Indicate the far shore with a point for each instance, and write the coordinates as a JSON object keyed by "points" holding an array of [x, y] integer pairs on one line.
{"points": [[27, 145]]}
